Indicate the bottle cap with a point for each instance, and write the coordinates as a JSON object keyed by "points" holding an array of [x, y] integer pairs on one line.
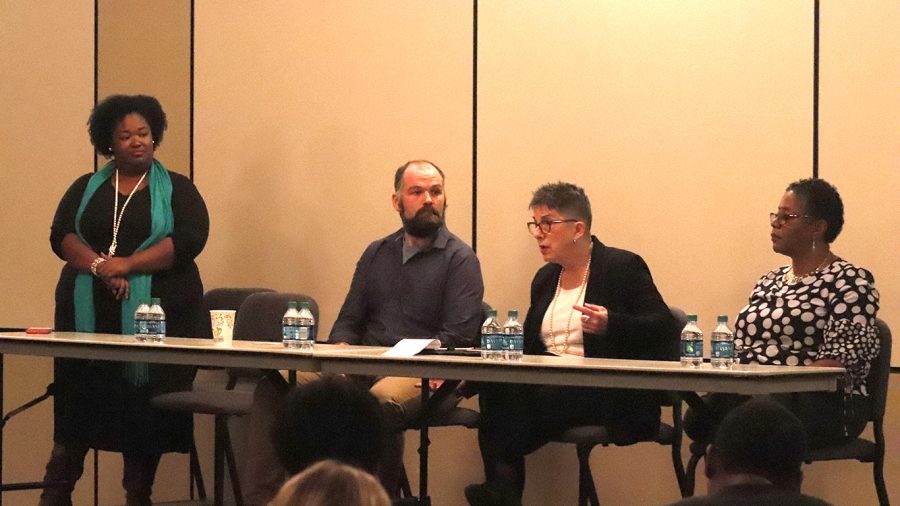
{"points": [[723, 318], [492, 312], [292, 304], [513, 313], [154, 300], [304, 305], [692, 318]]}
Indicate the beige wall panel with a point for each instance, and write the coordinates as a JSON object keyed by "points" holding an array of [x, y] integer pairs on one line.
{"points": [[683, 122], [145, 48], [304, 110], [860, 137], [46, 54]]}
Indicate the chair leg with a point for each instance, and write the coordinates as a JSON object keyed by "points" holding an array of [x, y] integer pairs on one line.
{"points": [[691, 473], [587, 490], [680, 475], [96, 477], [232, 467], [677, 463], [405, 487], [219, 460], [196, 474]]}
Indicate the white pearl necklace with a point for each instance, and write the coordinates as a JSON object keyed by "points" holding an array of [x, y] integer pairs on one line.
{"points": [[117, 215], [584, 277]]}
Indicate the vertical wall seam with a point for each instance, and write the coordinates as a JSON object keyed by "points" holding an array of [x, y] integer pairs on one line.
{"points": [[815, 154], [475, 125], [191, 106], [96, 66]]}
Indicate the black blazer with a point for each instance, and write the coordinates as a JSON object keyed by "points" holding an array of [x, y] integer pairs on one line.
{"points": [[640, 323]]}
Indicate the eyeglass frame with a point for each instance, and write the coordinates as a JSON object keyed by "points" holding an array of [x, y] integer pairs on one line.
{"points": [[546, 223], [782, 218]]}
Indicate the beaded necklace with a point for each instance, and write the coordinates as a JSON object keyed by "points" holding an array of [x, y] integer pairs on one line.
{"points": [[584, 277], [117, 215], [791, 278]]}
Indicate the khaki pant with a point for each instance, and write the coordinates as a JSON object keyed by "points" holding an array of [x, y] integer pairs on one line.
{"points": [[262, 475]]}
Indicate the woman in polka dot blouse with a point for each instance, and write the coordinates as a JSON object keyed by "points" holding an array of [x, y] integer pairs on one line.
{"points": [[819, 310]]}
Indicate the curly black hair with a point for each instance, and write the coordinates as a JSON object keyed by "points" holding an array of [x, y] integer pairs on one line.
{"points": [[821, 200], [570, 200], [330, 418], [107, 114]]}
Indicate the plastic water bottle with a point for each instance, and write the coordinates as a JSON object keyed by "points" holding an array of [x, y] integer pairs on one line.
{"points": [[140, 320], [691, 343], [306, 328], [156, 321], [491, 337], [515, 337], [722, 343], [290, 326]]}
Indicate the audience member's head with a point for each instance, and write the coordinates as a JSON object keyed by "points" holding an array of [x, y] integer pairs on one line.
{"points": [[759, 438], [330, 418], [331, 483]]}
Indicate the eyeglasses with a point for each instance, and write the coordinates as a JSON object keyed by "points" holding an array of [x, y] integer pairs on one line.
{"points": [[546, 225], [782, 218]]}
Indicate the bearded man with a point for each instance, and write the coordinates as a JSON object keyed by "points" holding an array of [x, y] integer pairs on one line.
{"points": [[419, 282]]}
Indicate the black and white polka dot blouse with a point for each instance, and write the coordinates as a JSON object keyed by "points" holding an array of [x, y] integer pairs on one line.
{"points": [[828, 314]]}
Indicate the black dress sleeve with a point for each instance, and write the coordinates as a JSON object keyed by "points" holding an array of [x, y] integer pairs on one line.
{"points": [[64, 219], [191, 220], [641, 320]]}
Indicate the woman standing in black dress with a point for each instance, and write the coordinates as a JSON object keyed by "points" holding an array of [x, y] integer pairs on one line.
{"points": [[126, 232]]}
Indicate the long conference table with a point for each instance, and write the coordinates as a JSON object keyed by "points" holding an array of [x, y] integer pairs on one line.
{"points": [[365, 360]]}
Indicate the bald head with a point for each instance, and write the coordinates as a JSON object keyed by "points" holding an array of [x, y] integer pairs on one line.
{"points": [[419, 166]]}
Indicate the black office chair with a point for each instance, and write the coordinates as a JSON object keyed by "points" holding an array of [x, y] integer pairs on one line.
{"points": [[861, 449], [213, 396], [586, 437]]}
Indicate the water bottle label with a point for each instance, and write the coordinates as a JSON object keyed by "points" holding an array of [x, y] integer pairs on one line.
{"points": [[492, 341], [307, 333], [691, 348], [142, 327], [290, 332], [517, 342], [722, 349], [153, 327], [161, 328]]}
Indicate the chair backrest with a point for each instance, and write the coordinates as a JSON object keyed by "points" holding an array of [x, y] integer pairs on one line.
{"points": [[879, 375], [679, 315], [680, 318], [222, 298], [259, 318]]}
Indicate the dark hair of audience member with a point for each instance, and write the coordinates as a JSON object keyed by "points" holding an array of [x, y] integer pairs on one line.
{"points": [[330, 418], [110, 111], [763, 438], [330, 483], [565, 198], [821, 200]]}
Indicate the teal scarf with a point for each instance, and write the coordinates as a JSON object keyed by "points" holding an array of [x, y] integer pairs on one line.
{"points": [[162, 225]]}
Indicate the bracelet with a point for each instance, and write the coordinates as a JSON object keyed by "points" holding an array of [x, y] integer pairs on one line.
{"points": [[96, 263]]}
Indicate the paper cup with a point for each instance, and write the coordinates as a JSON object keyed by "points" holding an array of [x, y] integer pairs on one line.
{"points": [[222, 321]]}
